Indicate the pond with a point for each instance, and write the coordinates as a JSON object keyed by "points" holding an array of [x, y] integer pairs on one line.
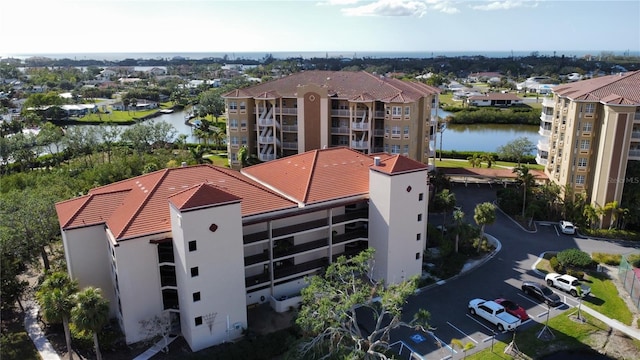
{"points": [[483, 137]]}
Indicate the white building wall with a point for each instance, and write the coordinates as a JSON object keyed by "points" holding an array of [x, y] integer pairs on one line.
{"points": [[395, 203], [138, 285], [220, 261], [89, 260]]}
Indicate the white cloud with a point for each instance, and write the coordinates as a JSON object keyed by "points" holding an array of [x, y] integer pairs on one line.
{"points": [[338, 2], [417, 8], [504, 5]]}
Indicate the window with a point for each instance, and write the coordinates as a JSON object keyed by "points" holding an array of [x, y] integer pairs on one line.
{"points": [[418, 237], [386, 148], [193, 246], [395, 131], [198, 320], [234, 156], [561, 136], [407, 111], [405, 149], [564, 120], [580, 180], [243, 106], [406, 132], [234, 141], [584, 144], [589, 108], [419, 217], [420, 197], [244, 140], [587, 127], [194, 271], [582, 162], [233, 123], [233, 106], [243, 124], [396, 111], [417, 256], [196, 296], [395, 149]]}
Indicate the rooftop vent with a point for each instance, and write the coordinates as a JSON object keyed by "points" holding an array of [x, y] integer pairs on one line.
{"points": [[184, 164], [376, 161]]}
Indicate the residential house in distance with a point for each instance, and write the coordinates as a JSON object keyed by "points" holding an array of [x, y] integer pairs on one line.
{"points": [[495, 99], [321, 109], [206, 243], [590, 131]]}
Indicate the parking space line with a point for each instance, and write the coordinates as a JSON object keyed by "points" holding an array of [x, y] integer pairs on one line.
{"points": [[442, 343], [479, 323], [462, 332], [542, 314], [529, 299]]}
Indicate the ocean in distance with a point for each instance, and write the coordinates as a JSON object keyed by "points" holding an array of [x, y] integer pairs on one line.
{"points": [[313, 54]]}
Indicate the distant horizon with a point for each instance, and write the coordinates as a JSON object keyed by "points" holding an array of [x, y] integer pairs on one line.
{"points": [[258, 55]]}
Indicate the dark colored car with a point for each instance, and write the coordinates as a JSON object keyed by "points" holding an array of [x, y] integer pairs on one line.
{"points": [[514, 309], [541, 292]]}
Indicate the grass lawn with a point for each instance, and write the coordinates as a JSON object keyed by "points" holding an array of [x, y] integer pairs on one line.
{"points": [[218, 160], [569, 334], [604, 296], [459, 163]]}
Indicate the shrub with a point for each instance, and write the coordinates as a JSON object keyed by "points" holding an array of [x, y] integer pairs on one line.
{"points": [[574, 258], [609, 259], [576, 273], [555, 265]]}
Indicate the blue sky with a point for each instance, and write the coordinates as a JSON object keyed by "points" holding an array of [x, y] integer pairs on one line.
{"points": [[86, 26]]}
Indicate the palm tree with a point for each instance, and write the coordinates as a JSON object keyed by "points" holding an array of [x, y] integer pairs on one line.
{"points": [[488, 159], [447, 200], [484, 214], [56, 298], [527, 180], [91, 313], [458, 218], [475, 160]]}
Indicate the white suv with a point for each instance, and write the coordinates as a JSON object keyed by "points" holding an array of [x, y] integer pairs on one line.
{"points": [[567, 227]]}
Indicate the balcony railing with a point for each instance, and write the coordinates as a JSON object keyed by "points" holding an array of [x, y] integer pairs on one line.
{"points": [[634, 153], [359, 144], [290, 145], [290, 128], [635, 134], [378, 132], [266, 157], [548, 102], [265, 122], [286, 111], [540, 160], [340, 130], [360, 126], [543, 145], [543, 132], [546, 118], [265, 139]]}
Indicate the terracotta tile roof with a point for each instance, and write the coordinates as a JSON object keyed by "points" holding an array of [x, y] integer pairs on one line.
{"points": [[202, 195], [343, 85], [398, 164], [139, 206], [316, 176], [623, 89]]}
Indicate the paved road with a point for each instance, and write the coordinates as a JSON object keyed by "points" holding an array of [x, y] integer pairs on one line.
{"points": [[499, 277]]}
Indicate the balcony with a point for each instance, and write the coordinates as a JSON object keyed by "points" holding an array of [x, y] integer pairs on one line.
{"points": [[379, 114], [548, 102], [540, 160], [290, 128], [340, 130], [339, 112], [635, 153], [378, 132], [543, 132], [543, 146], [546, 118], [266, 122], [286, 111], [359, 126], [266, 157], [635, 134], [360, 145], [290, 145], [286, 271], [265, 139]]}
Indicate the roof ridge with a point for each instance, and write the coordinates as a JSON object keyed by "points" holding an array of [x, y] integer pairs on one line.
{"points": [[144, 202], [312, 170]]}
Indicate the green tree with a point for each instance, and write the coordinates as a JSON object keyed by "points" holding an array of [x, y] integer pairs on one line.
{"points": [[446, 200], [516, 149], [333, 301], [457, 343], [56, 299], [475, 160], [527, 180], [243, 155], [91, 313], [210, 102], [488, 158], [484, 214], [458, 219]]}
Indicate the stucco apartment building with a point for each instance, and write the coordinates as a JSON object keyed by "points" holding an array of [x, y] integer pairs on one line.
{"points": [[206, 243], [590, 131], [320, 109]]}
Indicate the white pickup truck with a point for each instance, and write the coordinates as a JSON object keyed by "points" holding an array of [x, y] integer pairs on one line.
{"points": [[494, 313], [567, 283]]}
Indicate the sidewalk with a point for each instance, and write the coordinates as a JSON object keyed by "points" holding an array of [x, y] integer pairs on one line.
{"points": [[47, 352]]}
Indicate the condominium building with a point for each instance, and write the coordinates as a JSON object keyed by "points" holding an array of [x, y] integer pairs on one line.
{"points": [[206, 243], [320, 109], [590, 131]]}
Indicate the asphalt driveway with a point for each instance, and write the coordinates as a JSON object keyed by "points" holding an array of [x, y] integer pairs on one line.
{"points": [[501, 276]]}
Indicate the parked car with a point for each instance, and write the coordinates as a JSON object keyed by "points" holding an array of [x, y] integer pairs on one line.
{"points": [[494, 313], [567, 283], [541, 292], [514, 309], [567, 227]]}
